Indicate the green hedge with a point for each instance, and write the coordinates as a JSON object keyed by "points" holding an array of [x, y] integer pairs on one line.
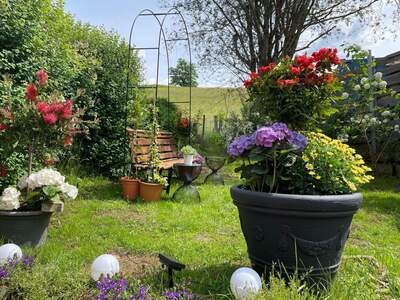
{"points": [[39, 34]]}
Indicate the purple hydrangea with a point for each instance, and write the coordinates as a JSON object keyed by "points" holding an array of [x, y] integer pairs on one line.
{"points": [[241, 144], [198, 159], [298, 140], [267, 136], [3, 274]]}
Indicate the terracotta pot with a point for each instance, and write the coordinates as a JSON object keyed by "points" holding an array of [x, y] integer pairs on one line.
{"points": [[150, 191], [130, 188]]}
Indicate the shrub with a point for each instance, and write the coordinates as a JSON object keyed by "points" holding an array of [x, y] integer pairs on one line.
{"points": [[297, 91]]}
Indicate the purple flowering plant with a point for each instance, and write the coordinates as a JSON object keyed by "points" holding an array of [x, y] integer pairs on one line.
{"points": [[267, 155], [119, 288]]}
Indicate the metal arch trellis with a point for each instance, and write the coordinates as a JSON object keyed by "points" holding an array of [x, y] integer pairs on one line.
{"points": [[161, 21]]}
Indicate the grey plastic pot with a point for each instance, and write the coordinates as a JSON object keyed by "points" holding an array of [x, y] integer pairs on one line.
{"points": [[301, 234], [24, 228]]}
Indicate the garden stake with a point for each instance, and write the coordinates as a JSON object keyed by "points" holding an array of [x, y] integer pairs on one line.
{"points": [[172, 265]]}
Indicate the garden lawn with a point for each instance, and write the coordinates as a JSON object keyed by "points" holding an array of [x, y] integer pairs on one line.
{"points": [[207, 238]]}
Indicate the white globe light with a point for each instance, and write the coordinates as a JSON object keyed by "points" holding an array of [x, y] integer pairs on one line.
{"points": [[106, 265], [9, 251], [245, 282]]}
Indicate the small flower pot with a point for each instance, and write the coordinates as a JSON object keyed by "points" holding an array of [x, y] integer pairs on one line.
{"points": [[188, 159], [24, 228], [130, 188], [150, 192]]}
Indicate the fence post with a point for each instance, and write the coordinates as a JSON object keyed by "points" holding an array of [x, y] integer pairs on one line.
{"points": [[204, 125], [216, 123]]}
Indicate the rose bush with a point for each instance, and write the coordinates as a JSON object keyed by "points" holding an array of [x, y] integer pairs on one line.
{"points": [[298, 91]]}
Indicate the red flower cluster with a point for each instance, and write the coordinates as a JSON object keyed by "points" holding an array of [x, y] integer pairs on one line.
{"points": [[55, 111], [31, 92], [310, 70], [326, 55], [184, 122], [255, 75], [42, 77], [3, 127], [3, 170]]}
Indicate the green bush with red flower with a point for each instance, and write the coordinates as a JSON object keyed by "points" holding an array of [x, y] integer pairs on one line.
{"points": [[35, 120], [299, 90]]}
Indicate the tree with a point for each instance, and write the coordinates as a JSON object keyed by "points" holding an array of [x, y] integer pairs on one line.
{"points": [[244, 35], [180, 75]]}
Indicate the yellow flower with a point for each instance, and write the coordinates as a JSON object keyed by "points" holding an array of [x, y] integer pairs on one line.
{"points": [[312, 173], [309, 166], [318, 177]]}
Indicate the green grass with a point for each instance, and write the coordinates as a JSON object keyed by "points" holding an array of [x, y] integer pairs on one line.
{"points": [[208, 239], [207, 101]]}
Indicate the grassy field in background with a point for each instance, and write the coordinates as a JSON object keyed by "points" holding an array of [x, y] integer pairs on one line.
{"points": [[207, 101], [206, 237]]}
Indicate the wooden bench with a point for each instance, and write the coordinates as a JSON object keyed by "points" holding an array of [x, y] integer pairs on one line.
{"points": [[140, 142]]}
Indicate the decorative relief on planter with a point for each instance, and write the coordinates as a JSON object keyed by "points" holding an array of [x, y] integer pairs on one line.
{"points": [[312, 248]]}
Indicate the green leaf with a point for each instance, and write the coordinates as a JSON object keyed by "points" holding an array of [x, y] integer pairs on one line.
{"points": [[50, 191]]}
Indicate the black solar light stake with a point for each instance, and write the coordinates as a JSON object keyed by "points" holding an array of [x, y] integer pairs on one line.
{"points": [[172, 266]]}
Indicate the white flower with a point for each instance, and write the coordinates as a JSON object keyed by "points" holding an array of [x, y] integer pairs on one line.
{"points": [[70, 190], [23, 182], [364, 80], [378, 75], [375, 83], [363, 121], [9, 199], [385, 121], [386, 113], [357, 87], [373, 120], [345, 95], [382, 84], [366, 86], [45, 177], [396, 127]]}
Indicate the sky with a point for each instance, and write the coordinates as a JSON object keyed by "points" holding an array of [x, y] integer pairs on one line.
{"points": [[118, 15]]}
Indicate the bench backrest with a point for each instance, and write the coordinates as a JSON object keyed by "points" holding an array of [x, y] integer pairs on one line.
{"points": [[140, 141]]}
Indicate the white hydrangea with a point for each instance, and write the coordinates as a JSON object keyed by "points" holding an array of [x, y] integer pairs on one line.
{"points": [[385, 121], [373, 120], [364, 80], [386, 113], [45, 177], [367, 86], [345, 95], [375, 83], [378, 75], [10, 199], [382, 84], [70, 190], [396, 128], [357, 87]]}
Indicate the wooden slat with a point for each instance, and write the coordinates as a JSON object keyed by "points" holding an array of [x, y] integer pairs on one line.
{"points": [[162, 148]]}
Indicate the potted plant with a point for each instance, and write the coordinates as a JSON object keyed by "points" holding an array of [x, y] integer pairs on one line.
{"points": [[300, 189], [130, 183], [153, 183], [188, 153], [34, 123]]}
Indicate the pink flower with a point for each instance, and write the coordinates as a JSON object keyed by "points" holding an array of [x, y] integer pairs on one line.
{"points": [[68, 141], [288, 82], [50, 118], [294, 70], [55, 107], [42, 107], [3, 126], [42, 77], [66, 111], [31, 92]]}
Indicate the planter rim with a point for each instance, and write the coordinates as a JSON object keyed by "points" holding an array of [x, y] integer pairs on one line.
{"points": [[126, 178], [296, 202], [149, 183], [22, 213]]}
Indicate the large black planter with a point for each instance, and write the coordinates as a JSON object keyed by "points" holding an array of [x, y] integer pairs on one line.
{"points": [[301, 234], [24, 228]]}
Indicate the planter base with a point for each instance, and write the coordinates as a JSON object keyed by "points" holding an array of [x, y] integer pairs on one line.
{"points": [[24, 228]]}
